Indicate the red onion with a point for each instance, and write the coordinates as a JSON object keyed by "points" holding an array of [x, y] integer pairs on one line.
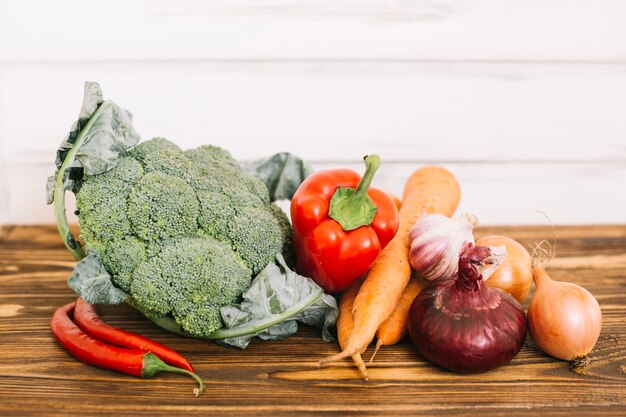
{"points": [[462, 324]]}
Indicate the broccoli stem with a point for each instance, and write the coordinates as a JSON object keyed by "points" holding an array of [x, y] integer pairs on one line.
{"points": [[59, 192], [167, 323]]}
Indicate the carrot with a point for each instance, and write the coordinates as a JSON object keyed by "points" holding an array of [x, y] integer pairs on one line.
{"points": [[395, 327], [345, 322], [430, 189], [396, 201]]}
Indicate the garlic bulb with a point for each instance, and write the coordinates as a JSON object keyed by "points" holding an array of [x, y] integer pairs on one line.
{"points": [[436, 242]]}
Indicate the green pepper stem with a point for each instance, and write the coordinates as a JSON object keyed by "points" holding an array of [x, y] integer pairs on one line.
{"points": [[353, 208], [372, 163], [152, 365]]}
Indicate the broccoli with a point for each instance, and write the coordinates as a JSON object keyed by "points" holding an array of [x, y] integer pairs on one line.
{"points": [[191, 279], [181, 232]]}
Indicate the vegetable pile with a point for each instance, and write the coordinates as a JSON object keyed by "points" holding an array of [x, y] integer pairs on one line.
{"points": [[430, 189], [194, 241], [459, 299]]}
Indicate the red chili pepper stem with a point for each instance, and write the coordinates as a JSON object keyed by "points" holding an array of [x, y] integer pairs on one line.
{"points": [[152, 365], [353, 208]]}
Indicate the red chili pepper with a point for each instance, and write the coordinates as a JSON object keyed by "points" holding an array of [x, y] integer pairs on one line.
{"points": [[94, 352], [340, 225], [87, 319]]}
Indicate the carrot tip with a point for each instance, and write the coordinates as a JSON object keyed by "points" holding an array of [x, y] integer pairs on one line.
{"points": [[360, 365], [337, 357], [379, 343]]}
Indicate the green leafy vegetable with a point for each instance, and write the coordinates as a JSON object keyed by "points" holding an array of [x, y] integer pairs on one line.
{"points": [[282, 174], [274, 291], [179, 234], [102, 132], [182, 232], [272, 306], [92, 282]]}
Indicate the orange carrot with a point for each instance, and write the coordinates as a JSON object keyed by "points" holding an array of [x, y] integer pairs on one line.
{"points": [[430, 189], [396, 201], [345, 323], [395, 327]]}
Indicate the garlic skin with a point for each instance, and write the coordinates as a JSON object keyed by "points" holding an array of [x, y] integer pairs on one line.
{"points": [[436, 242]]}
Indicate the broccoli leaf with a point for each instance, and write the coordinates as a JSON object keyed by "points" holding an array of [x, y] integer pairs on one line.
{"points": [[73, 173], [92, 282], [282, 173], [50, 185], [101, 134], [272, 295]]}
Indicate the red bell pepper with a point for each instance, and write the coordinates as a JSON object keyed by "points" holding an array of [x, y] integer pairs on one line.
{"points": [[340, 225]]}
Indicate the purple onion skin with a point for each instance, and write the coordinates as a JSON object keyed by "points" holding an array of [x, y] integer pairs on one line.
{"points": [[466, 326]]}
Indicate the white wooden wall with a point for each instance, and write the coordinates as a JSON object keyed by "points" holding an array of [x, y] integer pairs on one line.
{"points": [[524, 100]]}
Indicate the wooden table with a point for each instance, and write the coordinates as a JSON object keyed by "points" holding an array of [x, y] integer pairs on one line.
{"points": [[38, 377]]}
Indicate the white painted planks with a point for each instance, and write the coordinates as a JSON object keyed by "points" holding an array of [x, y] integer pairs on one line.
{"points": [[444, 30], [336, 112], [497, 193], [524, 97]]}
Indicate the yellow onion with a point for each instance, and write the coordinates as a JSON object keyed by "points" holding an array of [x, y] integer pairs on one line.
{"points": [[564, 318], [513, 275]]}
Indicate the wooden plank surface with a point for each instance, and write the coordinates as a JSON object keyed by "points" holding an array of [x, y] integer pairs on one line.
{"points": [[38, 377]]}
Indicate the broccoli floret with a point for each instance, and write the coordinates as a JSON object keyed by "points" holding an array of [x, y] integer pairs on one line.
{"points": [[170, 162], [143, 149], [161, 206], [101, 202], [241, 199], [98, 190], [210, 155], [121, 257], [285, 233], [191, 280], [127, 170], [256, 236], [258, 188], [149, 289], [215, 212], [104, 222], [182, 233]]}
